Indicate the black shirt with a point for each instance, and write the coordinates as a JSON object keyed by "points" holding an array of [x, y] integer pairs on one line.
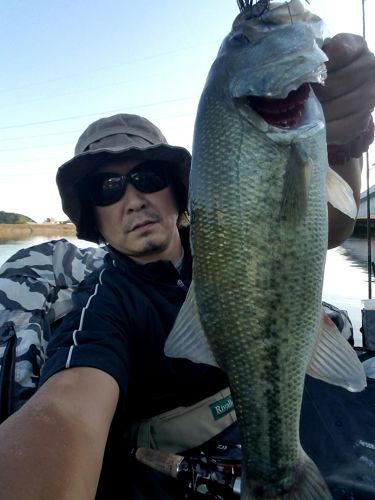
{"points": [[121, 318]]}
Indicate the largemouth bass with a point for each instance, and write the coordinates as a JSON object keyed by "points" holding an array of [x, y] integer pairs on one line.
{"points": [[259, 238]]}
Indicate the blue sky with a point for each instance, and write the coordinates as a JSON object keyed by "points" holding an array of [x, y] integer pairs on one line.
{"points": [[66, 63]]}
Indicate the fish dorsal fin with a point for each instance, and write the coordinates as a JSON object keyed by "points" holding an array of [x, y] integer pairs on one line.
{"points": [[334, 360], [296, 184], [187, 338], [340, 194]]}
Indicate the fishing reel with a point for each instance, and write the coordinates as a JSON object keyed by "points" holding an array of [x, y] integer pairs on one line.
{"points": [[214, 473]]}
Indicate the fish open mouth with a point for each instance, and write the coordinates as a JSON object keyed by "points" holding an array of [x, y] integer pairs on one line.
{"points": [[281, 113]]}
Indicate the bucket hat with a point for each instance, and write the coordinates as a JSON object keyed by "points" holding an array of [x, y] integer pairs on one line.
{"points": [[122, 136]]}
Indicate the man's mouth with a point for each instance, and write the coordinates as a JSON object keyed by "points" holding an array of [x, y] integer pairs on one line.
{"points": [[282, 113], [140, 225], [138, 221]]}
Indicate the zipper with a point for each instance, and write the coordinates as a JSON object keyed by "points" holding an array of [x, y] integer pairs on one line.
{"points": [[182, 285], [9, 338]]}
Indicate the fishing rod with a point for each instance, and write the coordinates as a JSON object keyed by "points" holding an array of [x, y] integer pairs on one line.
{"points": [[368, 319], [369, 250]]}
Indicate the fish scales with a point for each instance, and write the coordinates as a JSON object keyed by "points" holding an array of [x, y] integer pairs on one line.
{"points": [[254, 275], [259, 231]]}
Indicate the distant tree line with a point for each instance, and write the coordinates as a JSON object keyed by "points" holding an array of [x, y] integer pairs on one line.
{"points": [[12, 218]]}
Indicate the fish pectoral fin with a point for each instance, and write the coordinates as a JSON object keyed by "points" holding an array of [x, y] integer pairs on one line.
{"points": [[334, 360], [297, 182], [340, 194], [187, 338]]}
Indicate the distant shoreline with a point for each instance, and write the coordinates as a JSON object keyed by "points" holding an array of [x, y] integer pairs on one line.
{"points": [[24, 230]]}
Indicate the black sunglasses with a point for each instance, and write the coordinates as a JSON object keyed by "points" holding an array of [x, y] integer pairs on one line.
{"points": [[147, 177]]}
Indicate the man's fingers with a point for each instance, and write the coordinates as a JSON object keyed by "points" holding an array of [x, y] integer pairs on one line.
{"points": [[342, 49], [343, 131], [350, 78], [348, 97], [361, 99]]}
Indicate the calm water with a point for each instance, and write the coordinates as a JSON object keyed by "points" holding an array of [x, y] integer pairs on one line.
{"points": [[345, 281]]}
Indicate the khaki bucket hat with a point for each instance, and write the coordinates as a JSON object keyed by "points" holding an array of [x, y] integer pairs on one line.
{"points": [[122, 136]]}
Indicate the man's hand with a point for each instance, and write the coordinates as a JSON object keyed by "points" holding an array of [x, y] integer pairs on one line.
{"points": [[348, 96]]}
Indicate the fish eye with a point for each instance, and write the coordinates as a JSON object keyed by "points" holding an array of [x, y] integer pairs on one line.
{"points": [[239, 39]]}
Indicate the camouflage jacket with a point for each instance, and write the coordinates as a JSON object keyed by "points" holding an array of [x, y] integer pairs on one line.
{"points": [[36, 285]]}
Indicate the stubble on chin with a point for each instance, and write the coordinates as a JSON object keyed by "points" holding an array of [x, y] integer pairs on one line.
{"points": [[149, 248]]}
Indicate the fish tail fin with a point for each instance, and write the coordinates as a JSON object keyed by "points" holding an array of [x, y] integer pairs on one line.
{"points": [[307, 483]]}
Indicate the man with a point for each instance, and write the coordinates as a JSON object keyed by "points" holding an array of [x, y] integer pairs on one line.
{"points": [[107, 375]]}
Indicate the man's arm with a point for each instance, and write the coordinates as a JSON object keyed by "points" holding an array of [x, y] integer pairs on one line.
{"points": [[348, 98], [340, 225], [53, 447]]}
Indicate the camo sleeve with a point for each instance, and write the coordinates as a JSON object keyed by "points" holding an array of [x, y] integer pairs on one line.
{"points": [[36, 285]]}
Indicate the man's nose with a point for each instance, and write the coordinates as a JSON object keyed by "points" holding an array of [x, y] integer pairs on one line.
{"points": [[133, 199]]}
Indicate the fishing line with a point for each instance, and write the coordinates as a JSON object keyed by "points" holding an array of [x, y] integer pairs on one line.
{"points": [[309, 395], [369, 256]]}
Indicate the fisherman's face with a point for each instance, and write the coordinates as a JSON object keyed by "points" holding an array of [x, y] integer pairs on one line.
{"points": [[140, 225]]}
